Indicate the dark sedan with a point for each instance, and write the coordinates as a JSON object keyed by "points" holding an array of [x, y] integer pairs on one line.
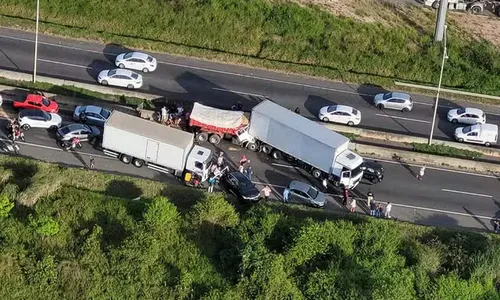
{"points": [[372, 171], [239, 185]]}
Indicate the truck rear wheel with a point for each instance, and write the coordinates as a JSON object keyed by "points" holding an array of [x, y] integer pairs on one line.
{"points": [[252, 147], [138, 163], [277, 155], [266, 149], [202, 137], [214, 139], [316, 173], [125, 159]]}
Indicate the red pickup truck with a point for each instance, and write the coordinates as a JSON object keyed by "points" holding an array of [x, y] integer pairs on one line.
{"points": [[37, 101]]}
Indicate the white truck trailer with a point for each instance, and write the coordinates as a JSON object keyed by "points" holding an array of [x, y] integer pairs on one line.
{"points": [[161, 148], [282, 133]]}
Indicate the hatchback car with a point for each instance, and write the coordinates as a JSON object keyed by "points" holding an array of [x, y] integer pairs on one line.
{"points": [[121, 78], [303, 193], [91, 114], [239, 185], [393, 100], [136, 61], [466, 115], [340, 114], [36, 118], [77, 130]]}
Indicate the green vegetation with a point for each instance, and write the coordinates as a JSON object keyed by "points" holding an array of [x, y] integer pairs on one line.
{"points": [[443, 150], [90, 240], [276, 35]]}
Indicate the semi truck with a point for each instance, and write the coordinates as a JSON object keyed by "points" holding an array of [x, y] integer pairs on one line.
{"points": [[158, 147], [282, 133]]}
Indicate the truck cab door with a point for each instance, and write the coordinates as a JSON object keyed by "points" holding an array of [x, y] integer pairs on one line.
{"points": [[345, 178]]}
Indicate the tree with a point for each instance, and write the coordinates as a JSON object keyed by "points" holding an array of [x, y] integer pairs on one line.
{"points": [[44, 225], [161, 214], [5, 205]]}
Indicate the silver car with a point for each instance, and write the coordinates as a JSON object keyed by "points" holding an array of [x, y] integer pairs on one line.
{"points": [[91, 114], [81, 131], [393, 100], [303, 193]]}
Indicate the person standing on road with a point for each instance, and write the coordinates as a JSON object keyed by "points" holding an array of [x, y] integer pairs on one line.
{"points": [[369, 197], [325, 184], [286, 192], [91, 163], [220, 159], [421, 173], [248, 171], [163, 114], [373, 208], [346, 196], [496, 225], [267, 192], [211, 183], [353, 205], [388, 209], [243, 160]]}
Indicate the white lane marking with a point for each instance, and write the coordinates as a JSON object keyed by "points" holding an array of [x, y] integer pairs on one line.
{"points": [[63, 63], [467, 193], [238, 92], [407, 119]]}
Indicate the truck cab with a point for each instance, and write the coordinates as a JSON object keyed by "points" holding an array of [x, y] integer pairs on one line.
{"points": [[199, 162], [349, 166]]}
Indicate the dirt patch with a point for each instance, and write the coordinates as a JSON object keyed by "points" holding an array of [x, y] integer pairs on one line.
{"points": [[478, 26]]}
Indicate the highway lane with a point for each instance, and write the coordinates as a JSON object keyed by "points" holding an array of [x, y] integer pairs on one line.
{"points": [[457, 194], [221, 85]]}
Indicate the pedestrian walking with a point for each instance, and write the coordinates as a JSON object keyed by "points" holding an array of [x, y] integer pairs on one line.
{"points": [[286, 192], [373, 208], [346, 197], [164, 114], [421, 173], [249, 172], [496, 225], [213, 168], [388, 209], [380, 210], [297, 110], [369, 197], [325, 184], [353, 205], [211, 183], [241, 169], [267, 192], [91, 163], [243, 160], [220, 159]]}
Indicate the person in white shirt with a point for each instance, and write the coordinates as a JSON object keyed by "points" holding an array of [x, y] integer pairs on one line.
{"points": [[353, 205], [286, 192], [164, 114], [1, 100], [421, 173], [388, 209]]}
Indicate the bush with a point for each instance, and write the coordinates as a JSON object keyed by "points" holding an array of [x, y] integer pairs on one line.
{"points": [[44, 225], [161, 214], [444, 150], [5, 205]]}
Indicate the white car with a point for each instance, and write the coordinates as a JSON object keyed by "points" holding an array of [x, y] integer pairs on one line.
{"points": [[120, 77], [340, 114], [136, 61], [36, 118], [466, 115]]}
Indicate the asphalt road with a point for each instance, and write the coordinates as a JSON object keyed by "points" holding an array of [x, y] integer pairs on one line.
{"points": [[445, 198], [221, 85]]}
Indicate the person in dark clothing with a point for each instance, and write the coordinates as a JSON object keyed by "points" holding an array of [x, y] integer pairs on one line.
{"points": [[297, 110], [496, 225], [346, 197], [373, 208]]}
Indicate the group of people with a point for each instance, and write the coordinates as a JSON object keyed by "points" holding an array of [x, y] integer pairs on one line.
{"points": [[174, 115], [376, 208], [245, 168], [216, 171], [15, 130]]}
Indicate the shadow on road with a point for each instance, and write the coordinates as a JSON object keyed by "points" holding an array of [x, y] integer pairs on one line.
{"points": [[112, 50], [314, 103], [98, 65]]}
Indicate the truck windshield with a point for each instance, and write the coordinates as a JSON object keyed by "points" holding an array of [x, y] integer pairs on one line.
{"points": [[356, 171]]}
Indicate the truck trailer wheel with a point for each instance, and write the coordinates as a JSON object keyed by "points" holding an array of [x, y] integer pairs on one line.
{"points": [[252, 147], [277, 155], [202, 137], [476, 9], [125, 159], [316, 173], [266, 149], [214, 139], [138, 163]]}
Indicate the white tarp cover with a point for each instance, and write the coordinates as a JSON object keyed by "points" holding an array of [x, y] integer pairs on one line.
{"points": [[216, 117]]}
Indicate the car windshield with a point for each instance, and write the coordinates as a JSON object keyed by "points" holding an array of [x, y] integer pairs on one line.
{"points": [[313, 192], [150, 59], [332, 108], [45, 101], [128, 55], [112, 72], [467, 129], [461, 111], [387, 96], [355, 112], [135, 76], [104, 113]]}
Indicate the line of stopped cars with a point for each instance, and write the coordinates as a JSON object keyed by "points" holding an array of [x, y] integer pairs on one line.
{"points": [[477, 131]]}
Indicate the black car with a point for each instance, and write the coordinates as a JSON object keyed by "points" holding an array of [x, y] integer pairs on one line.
{"points": [[241, 186], [373, 171]]}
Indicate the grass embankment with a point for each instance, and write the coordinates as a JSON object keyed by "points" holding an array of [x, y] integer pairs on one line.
{"points": [[277, 35], [443, 150], [87, 239]]}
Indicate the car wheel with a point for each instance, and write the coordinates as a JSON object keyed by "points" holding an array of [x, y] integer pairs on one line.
{"points": [[121, 66], [476, 9], [454, 121], [487, 144], [325, 119], [53, 127], [405, 109], [460, 140], [145, 70], [104, 82], [130, 86], [214, 139], [435, 4], [125, 159], [350, 123], [316, 173], [202, 137], [380, 106], [266, 149], [26, 127], [138, 163], [252, 147], [277, 155]]}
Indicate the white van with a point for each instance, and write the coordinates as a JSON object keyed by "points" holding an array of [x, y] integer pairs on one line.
{"points": [[485, 134]]}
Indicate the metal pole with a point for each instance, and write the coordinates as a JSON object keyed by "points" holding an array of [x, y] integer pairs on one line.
{"points": [[36, 40], [441, 21], [445, 56]]}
